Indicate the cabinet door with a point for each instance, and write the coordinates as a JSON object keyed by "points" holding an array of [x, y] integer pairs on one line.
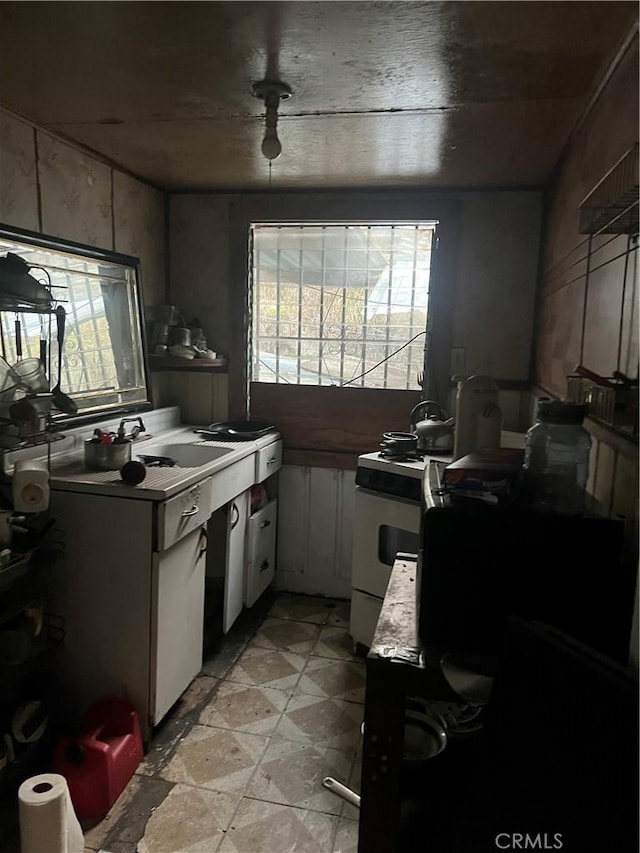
{"points": [[234, 576], [178, 618], [261, 552], [100, 588]]}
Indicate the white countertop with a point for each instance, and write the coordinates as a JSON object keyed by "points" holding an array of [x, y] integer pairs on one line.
{"points": [[159, 483], [69, 473]]}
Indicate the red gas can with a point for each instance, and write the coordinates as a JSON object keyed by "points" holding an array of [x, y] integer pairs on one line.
{"points": [[98, 764]]}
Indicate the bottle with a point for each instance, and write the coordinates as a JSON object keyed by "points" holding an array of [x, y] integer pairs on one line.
{"points": [[556, 458]]}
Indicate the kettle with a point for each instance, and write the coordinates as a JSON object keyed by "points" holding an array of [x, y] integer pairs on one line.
{"points": [[434, 430]]}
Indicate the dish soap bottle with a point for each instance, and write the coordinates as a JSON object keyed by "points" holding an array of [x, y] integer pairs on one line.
{"points": [[556, 458]]}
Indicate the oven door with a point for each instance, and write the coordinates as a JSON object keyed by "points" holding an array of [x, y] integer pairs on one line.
{"points": [[384, 526]]}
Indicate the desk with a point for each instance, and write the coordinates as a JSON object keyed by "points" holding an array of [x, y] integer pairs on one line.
{"points": [[397, 667]]}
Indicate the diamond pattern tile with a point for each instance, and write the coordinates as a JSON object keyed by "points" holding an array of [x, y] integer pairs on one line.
{"points": [[349, 810], [346, 837], [288, 635], [261, 827], [335, 679], [245, 709], [238, 764], [96, 833], [334, 642], [322, 721], [339, 616], [302, 608], [268, 668], [216, 759], [292, 774], [192, 820]]}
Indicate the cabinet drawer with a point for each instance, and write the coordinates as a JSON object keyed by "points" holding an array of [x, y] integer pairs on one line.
{"points": [[261, 552], [232, 481], [261, 535], [183, 513], [268, 461]]}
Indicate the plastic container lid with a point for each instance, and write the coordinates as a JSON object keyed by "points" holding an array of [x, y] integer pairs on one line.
{"points": [[560, 412]]}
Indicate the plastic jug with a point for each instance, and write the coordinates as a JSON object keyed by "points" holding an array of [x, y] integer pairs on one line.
{"points": [[98, 764]]}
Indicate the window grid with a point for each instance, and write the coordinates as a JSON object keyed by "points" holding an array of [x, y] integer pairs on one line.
{"points": [[413, 302], [278, 304], [389, 292], [299, 347], [78, 371], [322, 291], [366, 312], [344, 302]]}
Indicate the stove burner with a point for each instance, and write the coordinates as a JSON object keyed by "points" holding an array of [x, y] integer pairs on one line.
{"points": [[400, 455], [400, 446]]}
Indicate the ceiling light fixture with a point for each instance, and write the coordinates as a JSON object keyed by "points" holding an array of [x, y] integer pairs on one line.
{"points": [[271, 92]]}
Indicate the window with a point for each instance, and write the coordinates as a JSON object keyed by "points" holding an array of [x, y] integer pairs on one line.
{"points": [[340, 304], [102, 366]]}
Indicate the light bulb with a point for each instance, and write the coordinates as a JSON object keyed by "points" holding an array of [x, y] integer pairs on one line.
{"points": [[271, 147]]}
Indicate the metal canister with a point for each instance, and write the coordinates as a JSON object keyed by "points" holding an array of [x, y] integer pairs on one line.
{"points": [[106, 457]]}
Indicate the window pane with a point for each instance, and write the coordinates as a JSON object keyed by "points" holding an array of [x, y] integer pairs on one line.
{"points": [[338, 300]]}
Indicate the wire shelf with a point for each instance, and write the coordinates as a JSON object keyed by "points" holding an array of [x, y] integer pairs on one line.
{"points": [[612, 206]]}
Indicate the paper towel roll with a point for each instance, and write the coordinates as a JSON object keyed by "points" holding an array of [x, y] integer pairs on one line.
{"points": [[48, 823]]}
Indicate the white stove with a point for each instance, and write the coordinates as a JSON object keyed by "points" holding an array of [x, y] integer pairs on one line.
{"points": [[388, 516], [391, 496]]}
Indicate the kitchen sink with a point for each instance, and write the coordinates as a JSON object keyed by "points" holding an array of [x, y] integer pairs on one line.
{"points": [[184, 455]]}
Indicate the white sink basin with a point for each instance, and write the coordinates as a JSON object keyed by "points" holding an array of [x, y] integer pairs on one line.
{"points": [[185, 455]]}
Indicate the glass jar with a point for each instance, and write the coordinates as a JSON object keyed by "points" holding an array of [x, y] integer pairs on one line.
{"points": [[556, 460]]}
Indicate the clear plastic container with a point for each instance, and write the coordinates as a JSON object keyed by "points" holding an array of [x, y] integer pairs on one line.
{"points": [[556, 461]]}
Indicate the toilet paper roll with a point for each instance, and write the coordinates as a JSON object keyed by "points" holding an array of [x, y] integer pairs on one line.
{"points": [[48, 821]]}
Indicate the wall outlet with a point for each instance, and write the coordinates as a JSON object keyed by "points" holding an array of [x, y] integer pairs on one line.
{"points": [[457, 360]]}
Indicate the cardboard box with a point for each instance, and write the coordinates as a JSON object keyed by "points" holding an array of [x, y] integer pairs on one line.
{"points": [[485, 473]]}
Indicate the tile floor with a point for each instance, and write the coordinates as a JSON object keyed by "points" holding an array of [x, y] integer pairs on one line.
{"points": [[238, 765]]}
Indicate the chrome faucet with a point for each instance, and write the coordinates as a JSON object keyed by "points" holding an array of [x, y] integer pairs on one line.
{"points": [[135, 431]]}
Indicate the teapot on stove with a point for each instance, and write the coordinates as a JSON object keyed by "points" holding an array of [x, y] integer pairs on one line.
{"points": [[432, 427]]}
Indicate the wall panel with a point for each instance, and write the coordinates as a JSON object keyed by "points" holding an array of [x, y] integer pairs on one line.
{"points": [[485, 280], [18, 179], [138, 225], [199, 274], [587, 309], [497, 273], [201, 397], [82, 199], [572, 260], [315, 519], [76, 194], [559, 336], [605, 292]]}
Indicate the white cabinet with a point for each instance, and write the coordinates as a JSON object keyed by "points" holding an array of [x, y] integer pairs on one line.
{"points": [[261, 552], [236, 554], [226, 561], [133, 585], [176, 631], [132, 612]]}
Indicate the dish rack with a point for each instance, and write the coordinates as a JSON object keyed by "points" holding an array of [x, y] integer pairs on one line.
{"points": [[611, 400], [25, 393]]}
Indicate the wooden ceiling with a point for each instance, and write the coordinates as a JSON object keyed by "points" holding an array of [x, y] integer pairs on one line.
{"points": [[401, 94]]}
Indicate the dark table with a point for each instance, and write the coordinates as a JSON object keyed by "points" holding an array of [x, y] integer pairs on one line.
{"points": [[398, 666]]}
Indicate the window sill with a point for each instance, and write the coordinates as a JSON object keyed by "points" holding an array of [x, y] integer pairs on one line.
{"points": [[202, 365]]}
